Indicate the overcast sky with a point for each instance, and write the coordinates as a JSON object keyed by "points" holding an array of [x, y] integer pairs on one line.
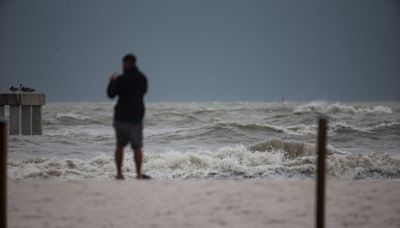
{"points": [[208, 50]]}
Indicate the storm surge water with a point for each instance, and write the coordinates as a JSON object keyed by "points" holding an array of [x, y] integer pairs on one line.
{"points": [[215, 140]]}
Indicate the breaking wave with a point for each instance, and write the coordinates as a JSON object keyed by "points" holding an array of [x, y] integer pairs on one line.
{"points": [[229, 128], [323, 107], [273, 159]]}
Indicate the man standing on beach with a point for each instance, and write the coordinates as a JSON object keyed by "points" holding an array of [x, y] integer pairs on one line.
{"points": [[130, 88]]}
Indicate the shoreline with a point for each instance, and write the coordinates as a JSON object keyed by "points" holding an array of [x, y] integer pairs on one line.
{"points": [[200, 203]]}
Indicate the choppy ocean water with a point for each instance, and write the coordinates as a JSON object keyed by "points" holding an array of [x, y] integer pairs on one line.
{"points": [[215, 140]]}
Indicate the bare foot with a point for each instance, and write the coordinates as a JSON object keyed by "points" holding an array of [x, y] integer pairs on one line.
{"points": [[144, 177]]}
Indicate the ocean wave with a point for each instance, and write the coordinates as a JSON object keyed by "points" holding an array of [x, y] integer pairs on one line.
{"points": [[224, 129], [343, 127], [269, 159], [290, 149], [218, 129], [386, 126], [300, 129], [323, 107], [311, 129], [248, 126], [70, 118]]}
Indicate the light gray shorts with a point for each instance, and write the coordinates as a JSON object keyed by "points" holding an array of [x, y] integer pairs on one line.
{"points": [[129, 132]]}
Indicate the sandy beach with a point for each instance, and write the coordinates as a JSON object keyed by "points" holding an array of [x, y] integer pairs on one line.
{"points": [[200, 203]]}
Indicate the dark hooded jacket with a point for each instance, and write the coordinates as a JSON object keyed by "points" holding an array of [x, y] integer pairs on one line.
{"points": [[130, 89]]}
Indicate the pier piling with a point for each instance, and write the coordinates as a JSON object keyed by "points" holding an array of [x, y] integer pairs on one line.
{"points": [[25, 112]]}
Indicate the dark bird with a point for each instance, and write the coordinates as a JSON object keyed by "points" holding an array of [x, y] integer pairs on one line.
{"points": [[14, 89], [26, 89]]}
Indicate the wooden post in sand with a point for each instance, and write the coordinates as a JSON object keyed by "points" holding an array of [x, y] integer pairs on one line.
{"points": [[320, 196], [3, 173]]}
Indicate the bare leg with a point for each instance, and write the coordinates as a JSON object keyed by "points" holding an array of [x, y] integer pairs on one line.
{"points": [[119, 156], [138, 162]]}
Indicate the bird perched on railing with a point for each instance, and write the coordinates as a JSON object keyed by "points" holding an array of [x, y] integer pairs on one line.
{"points": [[14, 89], [26, 89]]}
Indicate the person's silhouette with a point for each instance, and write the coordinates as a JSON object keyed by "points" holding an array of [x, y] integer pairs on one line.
{"points": [[130, 87]]}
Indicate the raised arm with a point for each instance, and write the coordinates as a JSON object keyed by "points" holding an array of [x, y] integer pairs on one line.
{"points": [[112, 89]]}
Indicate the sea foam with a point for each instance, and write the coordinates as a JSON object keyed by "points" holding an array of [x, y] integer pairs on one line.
{"points": [[274, 159]]}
